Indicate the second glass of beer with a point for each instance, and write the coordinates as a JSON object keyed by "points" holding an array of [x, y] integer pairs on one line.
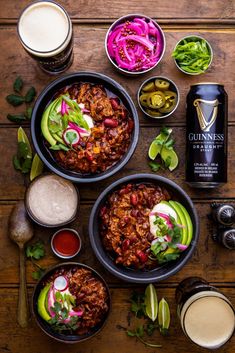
{"points": [[45, 31]]}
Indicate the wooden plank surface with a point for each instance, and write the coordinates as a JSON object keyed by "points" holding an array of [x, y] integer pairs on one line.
{"points": [[103, 9], [209, 260], [110, 340], [215, 21], [12, 185], [90, 56]]}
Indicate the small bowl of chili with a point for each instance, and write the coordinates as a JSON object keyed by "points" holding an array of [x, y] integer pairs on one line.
{"points": [[66, 243], [193, 55], [158, 97]]}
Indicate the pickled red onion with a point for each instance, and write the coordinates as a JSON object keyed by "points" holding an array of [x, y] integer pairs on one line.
{"points": [[135, 45]]}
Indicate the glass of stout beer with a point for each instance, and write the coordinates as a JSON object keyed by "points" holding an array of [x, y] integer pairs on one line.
{"points": [[206, 315], [45, 31]]}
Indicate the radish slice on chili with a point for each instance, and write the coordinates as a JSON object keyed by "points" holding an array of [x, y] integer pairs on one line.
{"points": [[71, 136], [135, 45], [61, 283]]}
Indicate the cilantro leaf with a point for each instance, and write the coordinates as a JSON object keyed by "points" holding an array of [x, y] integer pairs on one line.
{"points": [[35, 251], [154, 166], [18, 84], [37, 274]]}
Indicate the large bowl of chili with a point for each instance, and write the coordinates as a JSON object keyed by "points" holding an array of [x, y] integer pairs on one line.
{"points": [[123, 253], [91, 295], [109, 146]]}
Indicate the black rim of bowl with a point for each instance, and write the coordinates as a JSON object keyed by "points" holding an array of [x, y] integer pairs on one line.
{"points": [[44, 98], [45, 327], [128, 274]]}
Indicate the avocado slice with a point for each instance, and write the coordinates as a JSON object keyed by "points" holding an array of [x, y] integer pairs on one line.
{"points": [[189, 222], [183, 221], [44, 123], [42, 303]]}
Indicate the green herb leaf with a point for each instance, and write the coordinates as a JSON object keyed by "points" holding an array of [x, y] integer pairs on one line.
{"points": [[71, 136], [154, 166], [29, 112], [15, 100], [35, 251], [138, 304], [58, 147], [18, 84], [150, 328], [37, 274], [26, 165], [18, 118], [130, 333], [30, 95], [167, 161], [23, 150], [16, 163]]}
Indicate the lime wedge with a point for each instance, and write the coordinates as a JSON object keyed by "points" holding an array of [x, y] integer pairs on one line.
{"points": [[22, 137], [36, 168], [170, 155], [164, 317], [156, 145], [154, 150], [151, 302]]}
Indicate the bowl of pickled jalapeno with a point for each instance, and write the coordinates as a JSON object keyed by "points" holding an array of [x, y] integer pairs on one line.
{"points": [[158, 97], [193, 55]]}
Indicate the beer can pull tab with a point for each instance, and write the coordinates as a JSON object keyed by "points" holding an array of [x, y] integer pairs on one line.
{"points": [[225, 237], [223, 214]]}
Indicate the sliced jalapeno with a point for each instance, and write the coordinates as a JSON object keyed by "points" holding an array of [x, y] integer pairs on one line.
{"points": [[149, 87], [168, 107], [143, 99], [156, 100], [154, 113], [170, 95], [162, 85]]}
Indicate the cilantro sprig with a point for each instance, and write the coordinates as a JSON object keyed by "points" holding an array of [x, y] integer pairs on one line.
{"points": [[17, 98], [35, 252]]}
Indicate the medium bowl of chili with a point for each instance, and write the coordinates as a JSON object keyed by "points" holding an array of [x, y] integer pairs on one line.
{"points": [[135, 44], [143, 228], [71, 302], [84, 127], [158, 97]]}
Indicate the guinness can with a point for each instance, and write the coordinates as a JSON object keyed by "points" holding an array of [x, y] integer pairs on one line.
{"points": [[206, 135]]}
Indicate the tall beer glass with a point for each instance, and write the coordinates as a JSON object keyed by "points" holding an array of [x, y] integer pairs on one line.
{"points": [[206, 315], [45, 31]]}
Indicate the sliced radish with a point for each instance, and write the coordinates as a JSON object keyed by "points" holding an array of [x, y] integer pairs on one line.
{"points": [[71, 137], [61, 283], [89, 120]]}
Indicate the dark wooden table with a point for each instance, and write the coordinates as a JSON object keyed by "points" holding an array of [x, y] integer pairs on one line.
{"points": [[212, 19]]}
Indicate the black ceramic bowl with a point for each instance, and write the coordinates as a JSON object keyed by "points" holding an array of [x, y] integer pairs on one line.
{"points": [[45, 97], [46, 328], [138, 276]]}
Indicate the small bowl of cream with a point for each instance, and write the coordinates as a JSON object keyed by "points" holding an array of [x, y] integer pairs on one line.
{"points": [[52, 201]]}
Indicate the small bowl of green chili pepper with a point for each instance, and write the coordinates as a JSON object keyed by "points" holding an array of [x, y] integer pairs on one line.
{"points": [[158, 97], [193, 55]]}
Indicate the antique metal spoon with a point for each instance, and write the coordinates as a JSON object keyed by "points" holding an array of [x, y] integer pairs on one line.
{"points": [[21, 231]]}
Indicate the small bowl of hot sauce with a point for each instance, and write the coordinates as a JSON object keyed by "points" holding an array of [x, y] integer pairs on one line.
{"points": [[66, 243]]}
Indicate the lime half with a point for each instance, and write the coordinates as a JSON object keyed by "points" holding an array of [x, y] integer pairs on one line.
{"points": [[22, 137], [171, 156]]}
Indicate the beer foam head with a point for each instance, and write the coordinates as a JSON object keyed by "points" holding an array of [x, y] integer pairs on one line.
{"points": [[43, 27], [209, 321]]}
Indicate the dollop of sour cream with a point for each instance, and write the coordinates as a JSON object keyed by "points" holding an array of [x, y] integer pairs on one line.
{"points": [[52, 200], [159, 208]]}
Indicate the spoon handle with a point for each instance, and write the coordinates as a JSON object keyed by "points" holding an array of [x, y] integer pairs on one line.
{"points": [[23, 310]]}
